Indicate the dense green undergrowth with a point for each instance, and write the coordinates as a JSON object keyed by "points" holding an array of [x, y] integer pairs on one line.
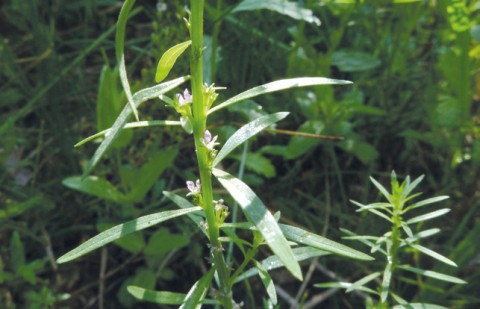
{"points": [[413, 108]]}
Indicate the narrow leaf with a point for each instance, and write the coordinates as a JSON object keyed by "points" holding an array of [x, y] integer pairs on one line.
{"points": [[267, 282], [387, 278], [277, 86], [258, 214], [418, 306], [364, 240], [120, 230], [199, 290], [131, 125], [161, 297], [246, 132], [309, 239], [168, 60], [360, 283], [185, 204], [119, 52], [139, 97], [291, 9], [422, 234], [428, 216], [433, 274], [434, 254], [426, 202], [381, 189], [343, 285], [273, 262]]}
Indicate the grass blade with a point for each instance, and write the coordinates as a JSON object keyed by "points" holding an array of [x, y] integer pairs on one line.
{"points": [[120, 230], [259, 215], [277, 86], [245, 132], [139, 97], [168, 60]]}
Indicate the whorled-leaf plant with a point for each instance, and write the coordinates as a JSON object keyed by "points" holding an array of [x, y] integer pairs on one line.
{"points": [[394, 243], [288, 244]]}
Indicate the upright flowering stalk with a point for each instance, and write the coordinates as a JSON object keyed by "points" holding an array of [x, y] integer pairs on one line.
{"points": [[204, 144]]}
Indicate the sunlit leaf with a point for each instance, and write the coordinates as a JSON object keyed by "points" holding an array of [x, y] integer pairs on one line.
{"points": [[139, 97], [185, 204], [382, 189], [277, 86], [120, 230], [131, 125], [426, 202], [199, 290], [387, 278], [433, 274], [161, 297], [343, 285], [258, 214], [267, 282], [273, 262], [288, 8], [309, 239], [168, 60], [360, 283], [418, 306], [246, 132], [428, 216], [119, 52], [433, 254]]}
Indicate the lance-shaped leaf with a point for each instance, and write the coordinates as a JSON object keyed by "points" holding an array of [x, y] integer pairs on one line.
{"points": [[343, 285], [185, 204], [426, 202], [197, 293], [382, 190], [433, 274], [168, 60], [119, 48], [418, 305], [161, 297], [131, 125], [289, 8], [267, 282], [434, 254], [387, 278], [360, 283], [258, 214], [139, 97], [309, 239], [95, 186], [277, 86], [428, 216], [246, 132], [273, 262], [120, 230]]}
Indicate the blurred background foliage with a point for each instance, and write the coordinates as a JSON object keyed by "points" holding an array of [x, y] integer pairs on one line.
{"points": [[414, 108]]}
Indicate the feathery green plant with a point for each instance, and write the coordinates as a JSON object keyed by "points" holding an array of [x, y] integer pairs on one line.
{"points": [[394, 242], [289, 244]]}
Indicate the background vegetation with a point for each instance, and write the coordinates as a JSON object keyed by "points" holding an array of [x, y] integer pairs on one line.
{"points": [[413, 108]]}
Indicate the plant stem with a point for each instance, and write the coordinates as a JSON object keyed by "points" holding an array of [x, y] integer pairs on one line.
{"points": [[199, 126]]}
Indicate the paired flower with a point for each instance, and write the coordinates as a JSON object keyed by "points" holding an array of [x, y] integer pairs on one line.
{"points": [[208, 141], [184, 99], [194, 187]]}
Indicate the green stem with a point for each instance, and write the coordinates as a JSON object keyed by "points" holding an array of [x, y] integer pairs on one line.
{"points": [[199, 127]]}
